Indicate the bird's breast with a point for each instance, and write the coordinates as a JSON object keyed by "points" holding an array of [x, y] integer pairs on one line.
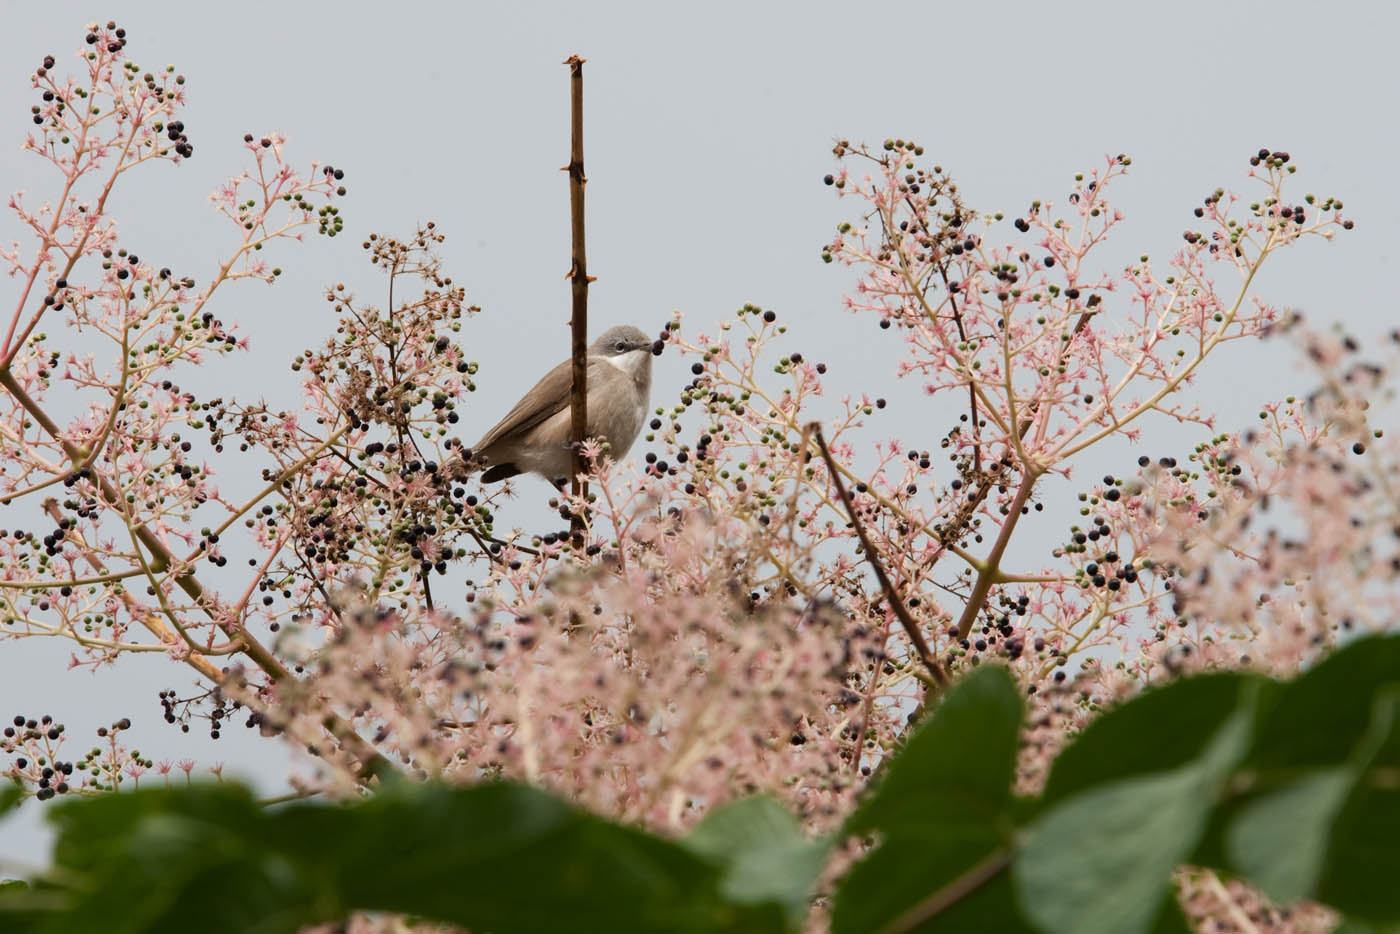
{"points": [[616, 410]]}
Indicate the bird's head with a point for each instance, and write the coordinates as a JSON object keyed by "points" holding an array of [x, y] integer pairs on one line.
{"points": [[623, 339], [628, 349]]}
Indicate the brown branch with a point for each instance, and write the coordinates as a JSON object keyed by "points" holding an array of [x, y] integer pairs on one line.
{"points": [[578, 398], [992, 566], [911, 627]]}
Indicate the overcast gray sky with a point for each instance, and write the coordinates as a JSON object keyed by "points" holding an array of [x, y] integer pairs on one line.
{"points": [[709, 127]]}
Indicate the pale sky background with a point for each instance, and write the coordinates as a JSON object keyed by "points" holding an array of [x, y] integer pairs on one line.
{"points": [[709, 127]]}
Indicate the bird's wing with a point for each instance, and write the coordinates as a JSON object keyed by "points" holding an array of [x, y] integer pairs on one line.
{"points": [[549, 395]]}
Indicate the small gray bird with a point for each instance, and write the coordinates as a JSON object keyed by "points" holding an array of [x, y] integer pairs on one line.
{"points": [[534, 436]]}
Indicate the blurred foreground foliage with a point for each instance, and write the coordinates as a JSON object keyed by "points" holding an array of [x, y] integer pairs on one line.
{"points": [[1293, 787]]}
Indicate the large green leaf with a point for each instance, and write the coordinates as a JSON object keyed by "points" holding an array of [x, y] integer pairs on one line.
{"points": [[495, 857], [1171, 919], [1354, 926], [20, 911], [1320, 718], [1101, 860], [1277, 841], [1157, 731], [954, 881], [1363, 858], [1321, 821], [942, 809], [958, 765], [508, 857], [766, 857], [168, 856]]}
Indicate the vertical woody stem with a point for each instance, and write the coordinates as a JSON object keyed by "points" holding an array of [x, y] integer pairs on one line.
{"points": [[578, 400]]}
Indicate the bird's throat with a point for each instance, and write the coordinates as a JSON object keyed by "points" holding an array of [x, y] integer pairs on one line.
{"points": [[633, 363]]}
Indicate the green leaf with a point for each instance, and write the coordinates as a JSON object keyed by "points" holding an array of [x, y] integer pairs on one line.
{"points": [[504, 857], [959, 762], [1363, 857], [942, 810], [766, 857], [1317, 721], [1330, 833], [197, 858], [1101, 860], [498, 857], [94, 831], [923, 883], [1277, 841], [10, 796], [1353, 926], [1171, 919], [21, 908], [1162, 729], [1320, 718]]}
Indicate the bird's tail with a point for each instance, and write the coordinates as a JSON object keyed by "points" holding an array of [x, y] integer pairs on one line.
{"points": [[465, 463]]}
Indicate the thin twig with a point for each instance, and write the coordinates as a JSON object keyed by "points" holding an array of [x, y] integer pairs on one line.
{"points": [[483, 539], [290, 796], [957, 315], [896, 605]]}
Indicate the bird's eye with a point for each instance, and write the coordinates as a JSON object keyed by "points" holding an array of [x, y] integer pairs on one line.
{"points": [[619, 346]]}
